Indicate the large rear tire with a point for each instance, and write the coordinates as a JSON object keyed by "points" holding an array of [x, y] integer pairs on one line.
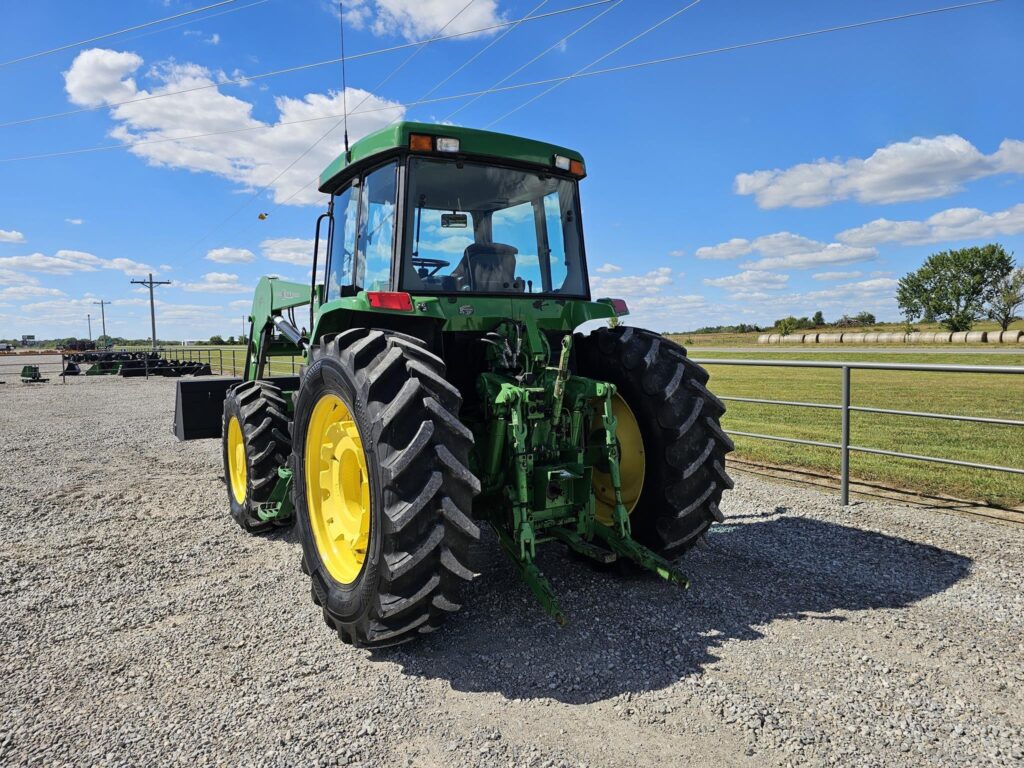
{"points": [[382, 490], [256, 442], [683, 445]]}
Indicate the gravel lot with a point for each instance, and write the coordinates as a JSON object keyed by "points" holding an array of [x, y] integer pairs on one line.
{"points": [[141, 626]]}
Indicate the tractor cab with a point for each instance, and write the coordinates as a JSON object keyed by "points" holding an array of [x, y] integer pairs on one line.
{"points": [[433, 210]]}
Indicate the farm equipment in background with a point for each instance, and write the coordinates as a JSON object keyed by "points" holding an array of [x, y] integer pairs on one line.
{"points": [[131, 365], [30, 375], [446, 384]]}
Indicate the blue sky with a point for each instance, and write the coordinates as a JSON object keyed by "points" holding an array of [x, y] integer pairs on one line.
{"points": [[740, 186]]}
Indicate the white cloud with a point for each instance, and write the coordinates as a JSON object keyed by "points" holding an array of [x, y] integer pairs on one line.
{"points": [[240, 304], [608, 268], [165, 267], [631, 285], [290, 250], [66, 262], [416, 19], [950, 224], [833, 253], [749, 280], [782, 250], [230, 255], [837, 275], [11, 236], [12, 277], [76, 222], [730, 249], [99, 76], [217, 282], [213, 39], [21, 292], [251, 158], [678, 253], [918, 169]]}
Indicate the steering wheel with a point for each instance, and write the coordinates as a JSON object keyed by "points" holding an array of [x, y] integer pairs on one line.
{"points": [[422, 264]]}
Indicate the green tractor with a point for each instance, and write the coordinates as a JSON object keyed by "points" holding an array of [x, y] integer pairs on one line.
{"points": [[443, 387]]}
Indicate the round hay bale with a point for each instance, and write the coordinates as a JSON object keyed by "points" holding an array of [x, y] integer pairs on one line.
{"points": [[764, 338], [976, 337], [959, 337], [871, 337], [943, 337], [811, 338], [773, 338], [853, 338], [793, 338], [915, 337], [1006, 337], [830, 338]]}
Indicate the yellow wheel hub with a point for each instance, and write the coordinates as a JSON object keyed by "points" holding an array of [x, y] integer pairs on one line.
{"points": [[632, 465], [236, 460], [337, 489]]}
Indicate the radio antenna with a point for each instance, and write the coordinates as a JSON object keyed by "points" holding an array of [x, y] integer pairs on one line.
{"points": [[344, 83]]}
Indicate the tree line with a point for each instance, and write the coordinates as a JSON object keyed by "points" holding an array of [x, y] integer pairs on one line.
{"points": [[957, 288]]}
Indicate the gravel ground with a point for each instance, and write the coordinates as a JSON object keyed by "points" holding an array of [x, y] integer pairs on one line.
{"points": [[141, 626]]}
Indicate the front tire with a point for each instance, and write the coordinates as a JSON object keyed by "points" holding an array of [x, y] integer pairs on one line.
{"points": [[256, 442], [382, 491], [682, 442]]}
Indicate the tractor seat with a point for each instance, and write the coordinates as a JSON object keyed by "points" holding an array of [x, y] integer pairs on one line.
{"points": [[493, 268]]}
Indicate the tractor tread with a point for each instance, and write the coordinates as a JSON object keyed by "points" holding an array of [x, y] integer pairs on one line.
{"points": [[686, 462], [421, 453], [260, 409]]}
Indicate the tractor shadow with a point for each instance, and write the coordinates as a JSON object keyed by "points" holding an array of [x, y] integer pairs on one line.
{"points": [[635, 633]]}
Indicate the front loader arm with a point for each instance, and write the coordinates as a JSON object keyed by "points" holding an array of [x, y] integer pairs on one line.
{"points": [[272, 297]]}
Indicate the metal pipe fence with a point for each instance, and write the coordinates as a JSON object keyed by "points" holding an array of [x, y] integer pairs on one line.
{"points": [[844, 406]]}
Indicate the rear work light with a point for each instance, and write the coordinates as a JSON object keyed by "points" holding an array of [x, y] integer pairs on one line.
{"points": [[575, 167], [619, 305], [396, 300], [445, 144], [561, 163], [422, 142]]}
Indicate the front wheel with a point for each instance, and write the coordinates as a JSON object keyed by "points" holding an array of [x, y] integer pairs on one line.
{"points": [[382, 491], [671, 443]]}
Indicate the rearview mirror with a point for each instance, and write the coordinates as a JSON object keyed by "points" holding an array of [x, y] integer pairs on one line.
{"points": [[454, 220]]}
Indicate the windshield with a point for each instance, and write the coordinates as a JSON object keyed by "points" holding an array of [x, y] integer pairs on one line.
{"points": [[479, 228]]}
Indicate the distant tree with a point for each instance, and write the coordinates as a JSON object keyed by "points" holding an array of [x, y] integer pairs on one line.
{"points": [[954, 287], [818, 319], [216, 340], [865, 318], [231, 340], [1008, 298], [786, 325]]}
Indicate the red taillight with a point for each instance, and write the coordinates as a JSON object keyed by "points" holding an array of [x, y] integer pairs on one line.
{"points": [[619, 305], [390, 300]]}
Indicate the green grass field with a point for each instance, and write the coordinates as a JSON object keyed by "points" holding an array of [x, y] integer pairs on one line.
{"points": [[955, 393], [998, 396]]}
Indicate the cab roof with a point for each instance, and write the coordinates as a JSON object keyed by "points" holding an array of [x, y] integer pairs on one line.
{"points": [[472, 142]]}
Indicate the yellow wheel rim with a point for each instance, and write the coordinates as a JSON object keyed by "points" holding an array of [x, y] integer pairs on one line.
{"points": [[632, 465], [337, 489], [236, 460]]}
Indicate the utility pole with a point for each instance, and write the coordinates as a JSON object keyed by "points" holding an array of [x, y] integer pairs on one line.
{"points": [[103, 314], [88, 319], [152, 306]]}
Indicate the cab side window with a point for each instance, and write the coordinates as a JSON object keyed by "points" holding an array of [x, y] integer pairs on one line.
{"points": [[343, 246], [375, 245]]}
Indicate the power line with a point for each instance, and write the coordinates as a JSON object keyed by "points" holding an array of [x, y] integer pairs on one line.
{"points": [[38, 54], [519, 86], [539, 56], [598, 60], [300, 67], [329, 131], [482, 51]]}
